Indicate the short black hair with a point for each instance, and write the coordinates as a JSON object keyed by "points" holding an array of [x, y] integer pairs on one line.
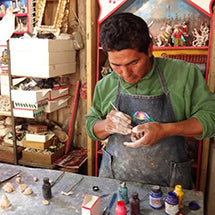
{"points": [[125, 31]]}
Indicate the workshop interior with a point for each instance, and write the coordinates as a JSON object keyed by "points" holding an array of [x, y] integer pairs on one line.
{"points": [[64, 97]]}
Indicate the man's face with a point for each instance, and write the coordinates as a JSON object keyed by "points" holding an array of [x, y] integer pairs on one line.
{"points": [[130, 64]]}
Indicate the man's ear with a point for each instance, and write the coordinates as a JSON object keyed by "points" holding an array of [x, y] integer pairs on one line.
{"points": [[150, 49]]}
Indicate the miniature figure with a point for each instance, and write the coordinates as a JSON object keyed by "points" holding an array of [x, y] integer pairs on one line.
{"points": [[177, 36], [164, 38], [201, 36], [2, 9]]}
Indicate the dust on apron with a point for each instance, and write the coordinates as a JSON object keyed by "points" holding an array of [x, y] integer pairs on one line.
{"points": [[165, 163]]}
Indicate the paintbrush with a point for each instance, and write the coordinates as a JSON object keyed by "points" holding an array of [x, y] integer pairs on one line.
{"points": [[114, 107]]}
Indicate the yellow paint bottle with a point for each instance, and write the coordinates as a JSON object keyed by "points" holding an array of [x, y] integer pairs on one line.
{"points": [[180, 194]]}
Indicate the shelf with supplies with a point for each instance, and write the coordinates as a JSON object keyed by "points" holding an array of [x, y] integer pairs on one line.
{"points": [[34, 95], [189, 20]]}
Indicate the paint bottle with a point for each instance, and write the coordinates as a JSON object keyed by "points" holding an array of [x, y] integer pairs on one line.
{"points": [[122, 192], [46, 188], [180, 194], [171, 204], [155, 197], [120, 208], [134, 204]]}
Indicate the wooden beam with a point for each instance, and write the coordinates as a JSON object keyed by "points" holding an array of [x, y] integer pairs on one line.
{"points": [[211, 84], [91, 38], [204, 164]]}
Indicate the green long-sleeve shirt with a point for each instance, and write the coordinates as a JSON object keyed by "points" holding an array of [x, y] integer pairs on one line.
{"points": [[189, 94]]}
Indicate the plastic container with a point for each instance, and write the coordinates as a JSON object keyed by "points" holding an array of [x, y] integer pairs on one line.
{"points": [[171, 204], [155, 197], [180, 194], [134, 204], [120, 208]]}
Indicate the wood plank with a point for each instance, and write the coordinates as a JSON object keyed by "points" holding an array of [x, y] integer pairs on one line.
{"points": [[211, 84], [91, 20], [204, 164], [210, 206]]}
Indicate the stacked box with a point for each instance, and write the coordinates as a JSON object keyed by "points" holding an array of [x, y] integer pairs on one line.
{"points": [[29, 104], [43, 58]]}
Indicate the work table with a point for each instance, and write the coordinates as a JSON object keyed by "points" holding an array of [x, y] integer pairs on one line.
{"points": [[61, 204]]}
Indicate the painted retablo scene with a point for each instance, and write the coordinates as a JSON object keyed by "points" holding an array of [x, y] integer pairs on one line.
{"points": [[173, 22]]}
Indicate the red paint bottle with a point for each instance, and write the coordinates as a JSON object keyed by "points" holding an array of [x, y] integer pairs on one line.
{"points": [[120, 208]]}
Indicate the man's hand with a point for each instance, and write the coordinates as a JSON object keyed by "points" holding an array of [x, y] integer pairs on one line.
{"points": [[146, 135], [118, 122]]}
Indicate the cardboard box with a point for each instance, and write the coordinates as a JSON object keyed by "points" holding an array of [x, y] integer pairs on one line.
{"points": [[59, 92], [39, 137], [5, 90], [31, 106], [91, 205], [56, 104], [30, 96], [27, 113], [37, 145], [43, 158], [42, 58]]}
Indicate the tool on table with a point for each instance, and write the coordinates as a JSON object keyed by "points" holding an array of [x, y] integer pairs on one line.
{"points": [[7, 174], [108, 209], [104, 195], [58, 179], [70, 191]]}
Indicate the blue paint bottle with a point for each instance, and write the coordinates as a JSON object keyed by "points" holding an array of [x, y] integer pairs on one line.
{"points": [[171, 204], [155, 197]]}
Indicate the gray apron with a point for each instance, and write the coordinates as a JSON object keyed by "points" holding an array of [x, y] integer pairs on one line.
{"points": [[165, 163]]}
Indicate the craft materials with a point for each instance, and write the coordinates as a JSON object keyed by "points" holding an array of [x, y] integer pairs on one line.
{"points": [[95, 188], [58, 179], [5, 203], [123, 192], [91, 205], [180, 194], [193, 205], [155, 197], [70, 191], [171, 203], [120, 208], [111, 203], [46, 188], [134, 204]]}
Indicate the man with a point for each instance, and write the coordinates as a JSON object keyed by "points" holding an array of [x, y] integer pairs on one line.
{"points": [[159, 101]]}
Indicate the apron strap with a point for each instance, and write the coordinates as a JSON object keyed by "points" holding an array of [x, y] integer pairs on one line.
{"points": [[166, 92]]}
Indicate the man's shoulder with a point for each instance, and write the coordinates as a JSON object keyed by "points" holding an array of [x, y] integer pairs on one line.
{"points": [[108, 79], [172, 62]]}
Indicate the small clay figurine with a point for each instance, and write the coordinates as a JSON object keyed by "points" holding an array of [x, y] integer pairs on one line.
{"points": [[123, 192], [46, 188]]}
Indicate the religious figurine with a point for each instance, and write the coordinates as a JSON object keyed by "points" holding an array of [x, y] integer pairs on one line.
{"points": [[177, 37]]}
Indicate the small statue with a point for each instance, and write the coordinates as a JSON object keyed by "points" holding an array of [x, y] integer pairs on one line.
{"points": [[178, 37], [123, 192], [2, 9]]}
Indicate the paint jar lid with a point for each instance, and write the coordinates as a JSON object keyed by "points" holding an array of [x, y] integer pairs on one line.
{"points": [[156, 189]]}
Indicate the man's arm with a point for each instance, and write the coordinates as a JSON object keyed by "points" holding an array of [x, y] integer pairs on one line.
{"points": [[150, 133]]}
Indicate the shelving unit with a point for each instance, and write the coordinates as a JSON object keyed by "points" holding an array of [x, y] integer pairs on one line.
{"points": [[198, 55], [26, 100]]}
